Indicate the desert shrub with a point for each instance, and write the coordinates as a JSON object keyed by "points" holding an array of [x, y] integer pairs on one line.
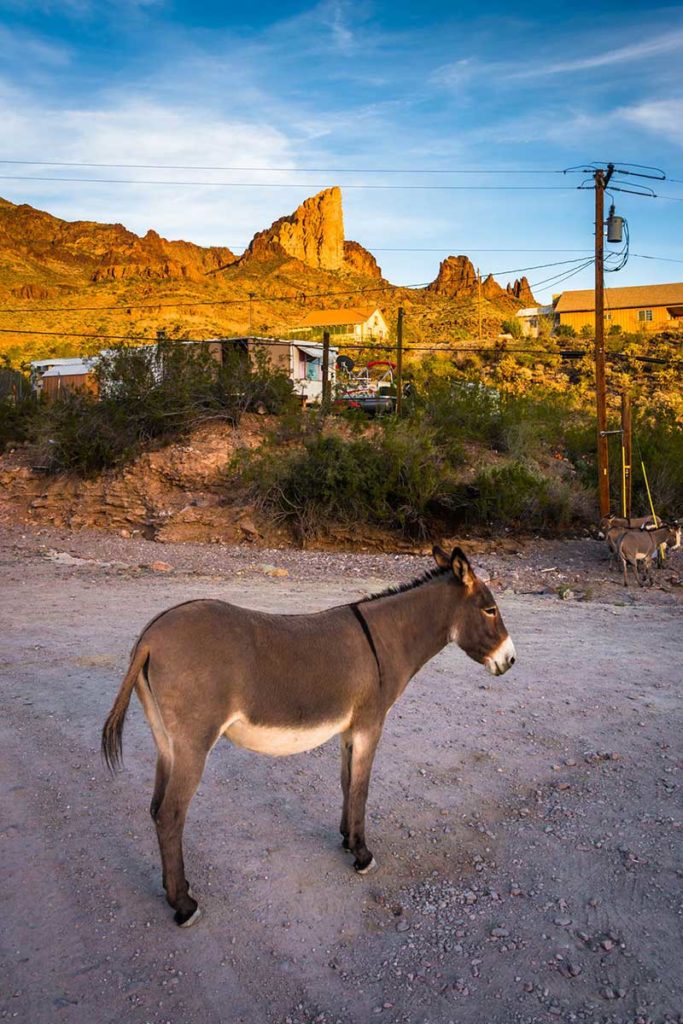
{"points": [[16, 418], [460, 410], [515, 496], [658, 441], [512, 326], [388, 479], [565, 331], [151, 396]]}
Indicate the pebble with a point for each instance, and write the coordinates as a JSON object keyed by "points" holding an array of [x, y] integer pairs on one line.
{"points": [[499, 933], [562, 921]]}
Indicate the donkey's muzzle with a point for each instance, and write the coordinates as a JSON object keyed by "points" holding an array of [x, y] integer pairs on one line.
{"points": [[503, 658]]}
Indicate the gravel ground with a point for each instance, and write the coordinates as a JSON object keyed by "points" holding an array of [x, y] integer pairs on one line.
{"points": [[527, 828]]}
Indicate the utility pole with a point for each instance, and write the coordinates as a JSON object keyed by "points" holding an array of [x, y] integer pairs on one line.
{"points": [[626, 454], [326, 373], [601, 179], [399, 362], [251, 313]]}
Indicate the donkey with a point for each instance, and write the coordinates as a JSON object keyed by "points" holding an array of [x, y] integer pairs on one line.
{"points": [[634, 523], [282, 684], [638, 548]]}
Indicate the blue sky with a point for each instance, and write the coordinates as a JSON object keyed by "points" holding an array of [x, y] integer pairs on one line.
{"points": [[307, 95]]}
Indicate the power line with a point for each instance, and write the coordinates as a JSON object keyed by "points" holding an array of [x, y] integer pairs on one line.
{"points": [[290, 184], [443, 347], [292, 170]]}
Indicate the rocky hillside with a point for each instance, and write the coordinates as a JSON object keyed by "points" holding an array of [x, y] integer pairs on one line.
{"points": [[132, 286]]}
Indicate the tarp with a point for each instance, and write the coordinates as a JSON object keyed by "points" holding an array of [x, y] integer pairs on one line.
{"points": [[314, 353]]}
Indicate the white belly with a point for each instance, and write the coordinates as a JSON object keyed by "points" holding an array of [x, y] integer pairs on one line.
{"points": [[281, 741]]}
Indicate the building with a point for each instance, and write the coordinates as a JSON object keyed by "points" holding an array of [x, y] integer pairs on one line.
{"points": [[354, 324], [532, 318], [647, 307], [302, 361], [54, 377]]}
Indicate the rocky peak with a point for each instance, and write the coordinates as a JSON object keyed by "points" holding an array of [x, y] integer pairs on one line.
{"points": [[456, 278], [359, 261], [313, 234], [521, 290]]}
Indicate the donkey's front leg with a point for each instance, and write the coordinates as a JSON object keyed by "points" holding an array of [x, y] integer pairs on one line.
{"points": [[363, 743]]}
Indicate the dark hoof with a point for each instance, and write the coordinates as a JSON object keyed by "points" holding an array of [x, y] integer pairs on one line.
{"points": [[186, 918], [365, 869]]}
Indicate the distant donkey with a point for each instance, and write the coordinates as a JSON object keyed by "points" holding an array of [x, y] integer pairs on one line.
{"points": [[282, 684], [638, 548]]}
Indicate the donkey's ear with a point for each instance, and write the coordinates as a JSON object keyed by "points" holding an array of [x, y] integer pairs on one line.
{"points": [[441, 558], [462, 570]]}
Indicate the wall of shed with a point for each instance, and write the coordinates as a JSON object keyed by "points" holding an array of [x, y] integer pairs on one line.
{"points": [[53, 387], [627, 319]]}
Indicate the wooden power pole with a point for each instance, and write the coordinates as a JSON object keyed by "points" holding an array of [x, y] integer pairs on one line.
{"points": [[601, 181], [399, 362]]}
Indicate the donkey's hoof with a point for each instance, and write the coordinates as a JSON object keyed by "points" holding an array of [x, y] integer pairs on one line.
{"points": [[188, 918], [372, 866]]}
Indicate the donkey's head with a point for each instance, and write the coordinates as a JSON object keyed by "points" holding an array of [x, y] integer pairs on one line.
{"points": [[477, 625]]}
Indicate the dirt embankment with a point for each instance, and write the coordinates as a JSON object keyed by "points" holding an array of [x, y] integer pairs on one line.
{"points": [[174, 494]]}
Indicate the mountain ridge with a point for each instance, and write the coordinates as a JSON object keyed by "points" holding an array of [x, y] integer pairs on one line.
{"points": [[49, 267]]}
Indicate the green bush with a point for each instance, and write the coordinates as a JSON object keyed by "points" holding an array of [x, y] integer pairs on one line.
{"points": [[151, 396], [390, 479], [516, 496], [16, 420]]}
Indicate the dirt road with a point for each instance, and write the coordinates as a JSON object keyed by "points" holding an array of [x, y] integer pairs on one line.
{"points": [[528, 828]]}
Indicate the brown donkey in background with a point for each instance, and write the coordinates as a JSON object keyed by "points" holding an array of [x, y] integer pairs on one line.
{"points": [[282, 684]]}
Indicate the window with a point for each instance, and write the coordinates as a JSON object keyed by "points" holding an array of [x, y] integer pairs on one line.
{"points": [[644, 315]]}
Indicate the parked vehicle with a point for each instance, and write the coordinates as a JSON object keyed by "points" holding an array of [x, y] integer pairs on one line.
{"points": [[371, 389]]}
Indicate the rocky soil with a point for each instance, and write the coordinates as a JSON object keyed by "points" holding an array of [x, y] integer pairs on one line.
{"points": [[528, 828]]}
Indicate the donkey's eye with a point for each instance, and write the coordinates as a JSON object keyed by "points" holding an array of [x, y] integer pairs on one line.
{"points": [[490, 611]]}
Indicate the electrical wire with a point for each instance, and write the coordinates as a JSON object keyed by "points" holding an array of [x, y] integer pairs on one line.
{"points": [[293, 170], [291, 184]]}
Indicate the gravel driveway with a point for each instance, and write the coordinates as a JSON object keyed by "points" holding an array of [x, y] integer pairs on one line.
{"points": [[528, 828]]}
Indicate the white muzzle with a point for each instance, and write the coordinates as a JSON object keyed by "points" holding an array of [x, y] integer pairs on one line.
{"points": [[502, 658]]}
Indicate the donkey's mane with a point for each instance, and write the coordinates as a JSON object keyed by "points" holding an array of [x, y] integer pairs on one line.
{"points": [[400, 588]]}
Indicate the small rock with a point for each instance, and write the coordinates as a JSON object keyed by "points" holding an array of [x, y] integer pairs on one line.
{"points": [[499, 933], [402, 926], [563, 922], [159, 567]]}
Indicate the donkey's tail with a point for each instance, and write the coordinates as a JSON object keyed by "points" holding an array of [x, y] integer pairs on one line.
{"points": [[112, 733]]}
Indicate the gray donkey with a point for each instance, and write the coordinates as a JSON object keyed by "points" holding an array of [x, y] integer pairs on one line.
{"points": [[637, 548], [282, 684]]}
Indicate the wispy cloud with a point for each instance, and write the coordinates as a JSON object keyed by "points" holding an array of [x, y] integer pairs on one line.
{"points": [[656, 46]]}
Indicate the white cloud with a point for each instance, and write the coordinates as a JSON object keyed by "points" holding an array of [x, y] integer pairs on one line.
{"points": [[139, 132], [661, 117]]}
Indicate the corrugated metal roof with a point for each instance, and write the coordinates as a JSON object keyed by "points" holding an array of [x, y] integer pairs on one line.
{"points": [[69, 368], [535, 311], [638, 296], [332, 317]]}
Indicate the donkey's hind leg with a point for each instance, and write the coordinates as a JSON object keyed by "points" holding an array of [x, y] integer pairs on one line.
{"points": [[184, 777], [163, 771], [345, 751]]}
